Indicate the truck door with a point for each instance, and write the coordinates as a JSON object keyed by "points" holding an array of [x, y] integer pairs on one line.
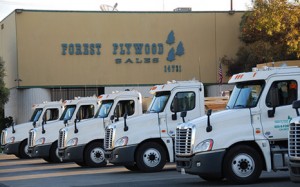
{"points": [[276, 108], [182, 101]]}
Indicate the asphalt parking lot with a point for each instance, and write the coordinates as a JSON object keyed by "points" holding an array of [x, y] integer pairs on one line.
{"points": [[15, 172]]}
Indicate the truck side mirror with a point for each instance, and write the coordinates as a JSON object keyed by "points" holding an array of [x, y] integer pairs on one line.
{"points": [[43, 128], [296, 106], [34, 124], [65, 122], [209, 112], [75, 125], [13, 127], [112, 117], [209, 127], [183, 115], [125, 123]]}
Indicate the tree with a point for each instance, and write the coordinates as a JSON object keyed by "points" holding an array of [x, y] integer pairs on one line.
{"points": [[180, 49], [274, 21], [4, 93], [270, 32], [171, 55], [171, 38]]}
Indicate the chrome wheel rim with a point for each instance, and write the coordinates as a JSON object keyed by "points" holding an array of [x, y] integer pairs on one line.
{"points": [[151, 157]]}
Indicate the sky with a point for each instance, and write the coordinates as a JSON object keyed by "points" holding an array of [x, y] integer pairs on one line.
{"points": [[7, 6]]}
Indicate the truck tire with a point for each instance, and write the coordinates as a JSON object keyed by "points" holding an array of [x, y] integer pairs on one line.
{"points": [[23, 150], [150, 157], [293, 177], [132, 168], [242, 165], [210, 178], [47, 159], [81, 164], [94, 155], [54, 153]]}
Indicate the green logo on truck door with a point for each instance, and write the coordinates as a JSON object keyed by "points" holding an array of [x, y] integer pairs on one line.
{"points": [[282, 125]]}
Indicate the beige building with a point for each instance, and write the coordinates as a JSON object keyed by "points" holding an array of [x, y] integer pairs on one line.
{"points": [[53, 55]]}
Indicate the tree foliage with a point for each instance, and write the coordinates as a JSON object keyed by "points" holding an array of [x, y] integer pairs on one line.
{"points": [[4, 93], [270, 32]]}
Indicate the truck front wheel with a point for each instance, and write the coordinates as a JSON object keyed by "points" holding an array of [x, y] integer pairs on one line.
{"points": [[151, 157], [54, 158], [94, 155], [210, 178], [23, 150], [132, 168], [82, 164], [242, 165]]}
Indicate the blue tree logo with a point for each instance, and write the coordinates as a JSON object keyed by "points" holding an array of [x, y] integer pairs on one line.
{"points": [[171, 38], [171, 55], [179, 49]]}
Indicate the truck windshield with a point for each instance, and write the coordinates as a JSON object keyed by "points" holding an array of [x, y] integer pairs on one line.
{"points": [[104, 109], [68, 112], [245, 95], [159, 101], [36, 114]]}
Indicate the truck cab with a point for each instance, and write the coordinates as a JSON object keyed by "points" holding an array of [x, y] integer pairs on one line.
{"points": [[14, 138], [42, 140], [83, 143], [146, 142], [251, 135]]}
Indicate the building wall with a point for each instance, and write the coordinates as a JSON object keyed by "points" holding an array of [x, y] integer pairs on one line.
{"points": [[50, 43], [65, 53], [8, 50], [21, 102]]}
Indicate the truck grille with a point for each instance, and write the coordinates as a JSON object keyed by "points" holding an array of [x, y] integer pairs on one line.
{"points": [[109, 135], [183, 141], [31, 138], [294, 140], [3, 137], [62, 139]]}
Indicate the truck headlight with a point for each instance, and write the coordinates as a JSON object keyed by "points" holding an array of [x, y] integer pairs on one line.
{"points": [[10, 140], [122, 141], [40, 141], [72, 142], [205, 145]]}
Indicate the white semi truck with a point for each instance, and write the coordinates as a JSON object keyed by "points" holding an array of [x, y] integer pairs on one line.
{"points": [[14, 138], [251, 135], [146, 142], [294, 145], [83, 143], [42, 140]]}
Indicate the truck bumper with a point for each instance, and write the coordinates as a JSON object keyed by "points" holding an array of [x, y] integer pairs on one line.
{"points": [[39, 151], [11, 148], [74, 154], [121, 155], [205, 164], [294, 167]]}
